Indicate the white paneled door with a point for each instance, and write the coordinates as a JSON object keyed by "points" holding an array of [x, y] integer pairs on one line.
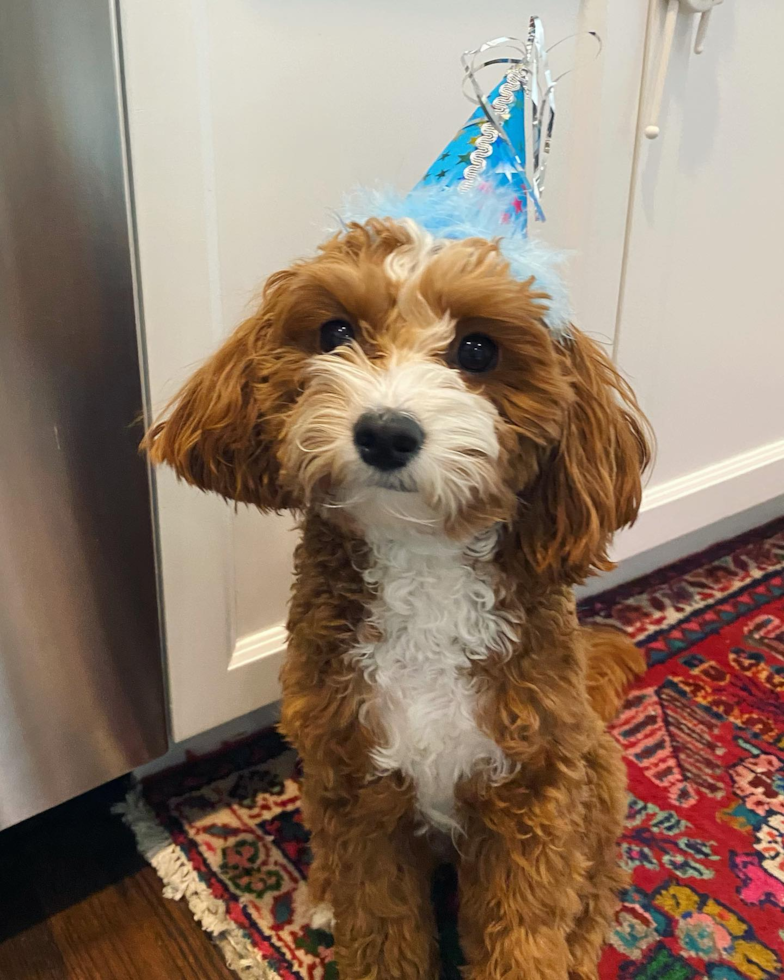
{"points": [[247, 121], [701, 320]]}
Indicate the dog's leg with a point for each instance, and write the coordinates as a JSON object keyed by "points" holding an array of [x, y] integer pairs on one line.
{"points": [[319, 889], [374, 872], [605, 815], [521, 874]]}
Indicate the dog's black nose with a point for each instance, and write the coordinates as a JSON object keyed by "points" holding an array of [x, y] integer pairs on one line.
{"points": [[387, 440]]}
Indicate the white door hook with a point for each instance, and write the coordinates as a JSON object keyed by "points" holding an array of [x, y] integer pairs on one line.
{"points": [[674, 7]]}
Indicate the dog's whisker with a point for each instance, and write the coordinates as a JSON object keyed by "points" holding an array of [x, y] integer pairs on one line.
{"points": [[304, 449], [348, 502], [409, 518]]}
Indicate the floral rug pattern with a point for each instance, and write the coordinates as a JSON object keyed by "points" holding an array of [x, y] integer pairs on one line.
{"points": [[703, 737]]}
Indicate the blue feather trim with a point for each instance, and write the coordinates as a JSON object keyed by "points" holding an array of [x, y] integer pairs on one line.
{"points": [[447, 212]]}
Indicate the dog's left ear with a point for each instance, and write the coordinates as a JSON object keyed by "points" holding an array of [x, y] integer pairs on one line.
{"points": [[220, 432], [589, 485]]}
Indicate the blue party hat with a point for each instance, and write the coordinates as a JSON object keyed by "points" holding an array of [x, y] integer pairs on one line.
{"points": [[489, 152], [491, 174], [480, 157]]}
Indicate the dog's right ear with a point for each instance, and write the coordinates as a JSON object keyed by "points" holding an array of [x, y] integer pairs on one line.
{"points": [[221, 431]]}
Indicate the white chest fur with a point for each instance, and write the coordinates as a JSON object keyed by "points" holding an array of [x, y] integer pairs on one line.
{"points": [[435, 610]]}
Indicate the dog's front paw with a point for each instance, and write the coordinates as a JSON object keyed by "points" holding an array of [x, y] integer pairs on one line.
{"points": [[322, 916]]}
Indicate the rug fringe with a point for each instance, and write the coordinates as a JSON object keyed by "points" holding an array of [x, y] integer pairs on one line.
{"points": [[181, 880]]}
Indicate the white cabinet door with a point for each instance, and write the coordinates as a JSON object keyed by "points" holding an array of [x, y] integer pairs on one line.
{"points": [[247, 121], [701, 333]]}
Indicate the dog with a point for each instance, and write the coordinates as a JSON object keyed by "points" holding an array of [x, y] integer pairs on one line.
{"points": [[457, 467]]}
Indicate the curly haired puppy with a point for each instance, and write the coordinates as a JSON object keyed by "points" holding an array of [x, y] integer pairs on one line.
{"points": [[458, 467]]}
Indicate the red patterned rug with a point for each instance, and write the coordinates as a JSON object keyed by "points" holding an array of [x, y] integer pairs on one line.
{"points": [[703, 735]]}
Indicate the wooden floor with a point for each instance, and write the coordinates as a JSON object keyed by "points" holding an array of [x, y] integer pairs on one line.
{"points": [[77, 902]]}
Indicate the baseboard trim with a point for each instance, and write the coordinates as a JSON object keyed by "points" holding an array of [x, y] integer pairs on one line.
{"points": [[680, 506], [709, 476]]}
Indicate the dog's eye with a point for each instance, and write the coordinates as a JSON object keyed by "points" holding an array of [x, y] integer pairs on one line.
{"points": [[477, 353], [334, 333]]}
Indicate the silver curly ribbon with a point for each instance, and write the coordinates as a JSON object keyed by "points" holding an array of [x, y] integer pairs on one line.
{"points": [[528, 69]]}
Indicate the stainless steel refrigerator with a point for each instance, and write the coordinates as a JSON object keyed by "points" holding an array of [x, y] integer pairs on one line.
{"points": [[81, 681]]}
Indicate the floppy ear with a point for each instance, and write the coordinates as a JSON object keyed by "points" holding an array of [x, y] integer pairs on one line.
{"points": [[221, 431], [589, 484]]}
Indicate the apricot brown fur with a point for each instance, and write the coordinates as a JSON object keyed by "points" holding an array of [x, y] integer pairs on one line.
{"points": [[536, 847]]}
